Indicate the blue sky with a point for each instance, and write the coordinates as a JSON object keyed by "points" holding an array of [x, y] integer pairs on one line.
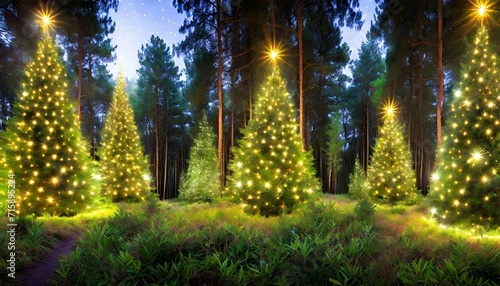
{"points": [[137, 20]]}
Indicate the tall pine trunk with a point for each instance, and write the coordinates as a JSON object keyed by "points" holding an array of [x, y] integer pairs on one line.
{"points": [[440, 73], [219, 91], [80, 70], [301, 72]]}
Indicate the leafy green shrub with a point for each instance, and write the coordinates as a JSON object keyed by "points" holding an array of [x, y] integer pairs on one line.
{"points": [[152, 204], [364, 209]]}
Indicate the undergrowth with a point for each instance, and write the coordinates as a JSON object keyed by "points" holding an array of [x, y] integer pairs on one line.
{"points": [[217, 244]]}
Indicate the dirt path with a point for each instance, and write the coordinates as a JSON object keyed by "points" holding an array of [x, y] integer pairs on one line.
{"points": [[42, 271]]}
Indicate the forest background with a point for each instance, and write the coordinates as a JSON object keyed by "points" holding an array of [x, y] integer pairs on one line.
{"points": [[225, 53]]}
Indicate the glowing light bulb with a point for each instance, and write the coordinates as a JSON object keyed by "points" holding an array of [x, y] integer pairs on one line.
{"points": [[482, 10]]}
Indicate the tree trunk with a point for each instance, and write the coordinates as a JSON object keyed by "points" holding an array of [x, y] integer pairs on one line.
{"points": [[420, 148], [232, 109], [301, 72], [157, 150], [219, 90], [367, 128], [250, 97], [165, 188], [80, 70], [440, 73]]}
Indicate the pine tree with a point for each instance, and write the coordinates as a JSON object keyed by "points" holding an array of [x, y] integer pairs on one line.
{"points": [[45, 148], [202, 180], [124, 168], [390, 175], [466, 185], [270, 171], [358, 188]]}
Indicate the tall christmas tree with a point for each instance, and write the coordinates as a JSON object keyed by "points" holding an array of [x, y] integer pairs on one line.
{"points": [[390, 175], [466, 185], [270, 171], [202, 180], [45, 148], [124, 168]]}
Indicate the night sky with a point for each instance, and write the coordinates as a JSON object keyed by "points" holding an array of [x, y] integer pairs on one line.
{"points": [[137, 20]]}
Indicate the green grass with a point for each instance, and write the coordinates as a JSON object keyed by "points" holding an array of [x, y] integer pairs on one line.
{"points": [[330, 241]]}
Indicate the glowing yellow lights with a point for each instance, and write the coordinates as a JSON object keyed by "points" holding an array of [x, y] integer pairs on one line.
{"points": [[50, 200], [456, 203], [482, 10], [46, 18], [273, 54], [435, 177], [389, 108], [477, 154], [267, 185]]}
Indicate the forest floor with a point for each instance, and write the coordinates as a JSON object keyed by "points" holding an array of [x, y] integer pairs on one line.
{"points": [[41, 272], [407, 233]]}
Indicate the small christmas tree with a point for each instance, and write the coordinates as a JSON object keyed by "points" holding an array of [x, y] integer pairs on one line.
{"points": [[358, 186], [45, 148], [390, 175], [124, 168], [270, 171], [466, 185], [202, 180]]}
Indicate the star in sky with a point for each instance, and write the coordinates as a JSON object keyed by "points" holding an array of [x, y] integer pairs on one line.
{"points": [[137, 20]]}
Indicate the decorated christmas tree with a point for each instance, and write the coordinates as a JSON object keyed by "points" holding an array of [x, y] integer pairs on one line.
{"points": [[202, 180], [390, 175], [271, 172], [45, 149], [466, 185], [124, 168]]}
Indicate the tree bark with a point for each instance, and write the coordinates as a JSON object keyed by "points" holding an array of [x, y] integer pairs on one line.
{"points": [[80, 70], [157, 151], [219, 90], [440, 73], [301, 71], [166, 166]]}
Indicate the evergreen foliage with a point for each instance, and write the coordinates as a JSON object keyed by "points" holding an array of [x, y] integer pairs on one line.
{"points": [[271, 173], [465, 187], [124, 168], [391, 178], [333, 151], [201, 182], [358, 185], [45, 148]]}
